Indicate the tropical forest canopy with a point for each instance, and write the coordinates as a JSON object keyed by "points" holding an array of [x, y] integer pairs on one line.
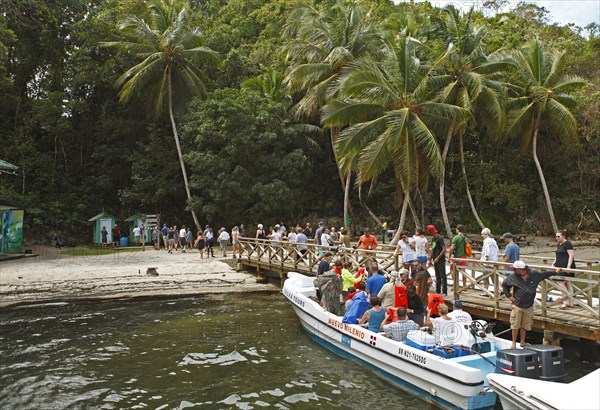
{"points": [[250, 111]]}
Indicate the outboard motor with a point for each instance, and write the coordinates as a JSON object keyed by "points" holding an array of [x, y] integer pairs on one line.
{"points": [[551, 362], [518, 362]]}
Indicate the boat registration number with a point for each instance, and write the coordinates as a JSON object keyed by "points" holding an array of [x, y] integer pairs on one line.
{"points": [[412, 356]]}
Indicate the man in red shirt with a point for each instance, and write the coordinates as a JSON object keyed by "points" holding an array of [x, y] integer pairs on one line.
{"points": [[367, 241]]}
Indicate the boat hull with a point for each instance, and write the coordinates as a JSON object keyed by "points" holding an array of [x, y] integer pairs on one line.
{"points": [[437, 380]]}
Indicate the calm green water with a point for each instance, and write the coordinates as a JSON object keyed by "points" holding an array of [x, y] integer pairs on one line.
{"points": [[217, 352], [243, 351]]}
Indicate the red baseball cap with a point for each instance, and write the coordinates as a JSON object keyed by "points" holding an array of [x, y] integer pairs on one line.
{"points": [[431, 228]]}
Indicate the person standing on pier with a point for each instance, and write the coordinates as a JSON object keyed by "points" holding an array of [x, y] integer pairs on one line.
{"points": [[437, 258], [458, 249], [565, 258], [521, 289], [512, 252]]}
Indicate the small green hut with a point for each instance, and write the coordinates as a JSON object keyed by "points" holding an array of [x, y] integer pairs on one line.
{"points": [[100, 220], [138, 220]]}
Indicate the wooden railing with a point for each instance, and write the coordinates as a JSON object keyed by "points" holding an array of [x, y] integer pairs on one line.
{"points": [[286, 256], [585, 284]]}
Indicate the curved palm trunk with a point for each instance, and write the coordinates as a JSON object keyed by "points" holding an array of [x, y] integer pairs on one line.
{"points": [[179, 153], [464, 172], [413, 211], [396, 237], [347, 200], [375, 218], [541, 173], [345, 181], [443, 180]]}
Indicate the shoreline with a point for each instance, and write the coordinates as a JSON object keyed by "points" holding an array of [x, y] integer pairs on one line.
{"points": [[54, 276]]}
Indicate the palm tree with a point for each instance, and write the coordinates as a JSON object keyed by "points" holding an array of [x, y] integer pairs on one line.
{"points": [[541, 95], [170, 58], [391, 117], [323, 38], [462, 75]]}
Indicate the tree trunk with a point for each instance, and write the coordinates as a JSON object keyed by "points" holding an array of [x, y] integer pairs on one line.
{"points": [[396, 237], [422, 206], [347, 200], [443, 179], [179, 153], [541, 173], [464, 172], [375, 218], [413, 211]]}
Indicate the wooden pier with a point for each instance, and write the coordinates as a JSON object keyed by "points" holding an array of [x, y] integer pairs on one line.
{"points": [[583, 321]]}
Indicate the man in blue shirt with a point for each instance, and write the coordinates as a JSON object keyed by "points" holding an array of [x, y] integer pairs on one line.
{"points": [[164, 232], [375, 283], [512, 252], [324, 264]]}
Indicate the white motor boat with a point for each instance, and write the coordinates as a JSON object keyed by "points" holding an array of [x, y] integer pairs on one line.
{"points": [[415, 366], [523, 393]]}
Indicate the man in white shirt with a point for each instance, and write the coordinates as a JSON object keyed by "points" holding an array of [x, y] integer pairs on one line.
{"points": [[137, 234], [489, 252], [458, 314], [182, 237]]}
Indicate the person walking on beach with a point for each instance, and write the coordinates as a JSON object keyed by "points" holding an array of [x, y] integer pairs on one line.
{"points": [[189, 239], [565, 258], [165, 236], [183, 238], [171, 239], [521, 288], [199, 244], [235, 240], [209, 237], [156, 234], [137, 235], [175, 237], [224, 240], [104, 236], [116, 236]]}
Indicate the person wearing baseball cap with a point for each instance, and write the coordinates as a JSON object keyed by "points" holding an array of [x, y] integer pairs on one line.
{"points": [[521, 289], [437, 258], [512, 252], [458, 314]]}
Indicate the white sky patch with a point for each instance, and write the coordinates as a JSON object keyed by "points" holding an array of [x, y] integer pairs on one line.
{"points": [[579, 12]]}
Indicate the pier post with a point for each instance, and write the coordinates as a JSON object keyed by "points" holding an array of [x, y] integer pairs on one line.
{"points": [[551, 338]]}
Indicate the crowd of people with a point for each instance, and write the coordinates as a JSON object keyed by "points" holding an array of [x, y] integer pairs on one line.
{"points": [[396, 302], [365, 294]]}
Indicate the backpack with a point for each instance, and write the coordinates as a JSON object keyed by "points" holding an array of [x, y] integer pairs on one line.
{"points": [[468, 250]]}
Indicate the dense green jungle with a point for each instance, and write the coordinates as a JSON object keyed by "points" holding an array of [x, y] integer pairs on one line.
{"points": [[253, 111]]}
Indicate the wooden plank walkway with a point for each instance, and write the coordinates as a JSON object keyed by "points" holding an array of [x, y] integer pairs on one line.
{"points": [[582, 321]]}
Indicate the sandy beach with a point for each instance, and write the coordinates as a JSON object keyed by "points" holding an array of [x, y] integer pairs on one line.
{"points": [[54, 275]]}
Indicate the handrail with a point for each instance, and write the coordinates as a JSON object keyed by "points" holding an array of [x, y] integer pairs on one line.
{"points": [[583, 285]]}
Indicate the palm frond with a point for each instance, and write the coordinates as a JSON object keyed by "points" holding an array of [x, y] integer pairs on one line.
{"points": [[338, 113]]}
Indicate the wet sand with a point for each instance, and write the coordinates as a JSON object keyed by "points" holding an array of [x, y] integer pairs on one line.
{"points": [[54, 275]]}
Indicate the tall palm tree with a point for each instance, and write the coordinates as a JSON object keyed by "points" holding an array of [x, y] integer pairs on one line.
{"points": [[323, 37], [391, 118], [541, 95], [170, 57], [463, 76]]}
